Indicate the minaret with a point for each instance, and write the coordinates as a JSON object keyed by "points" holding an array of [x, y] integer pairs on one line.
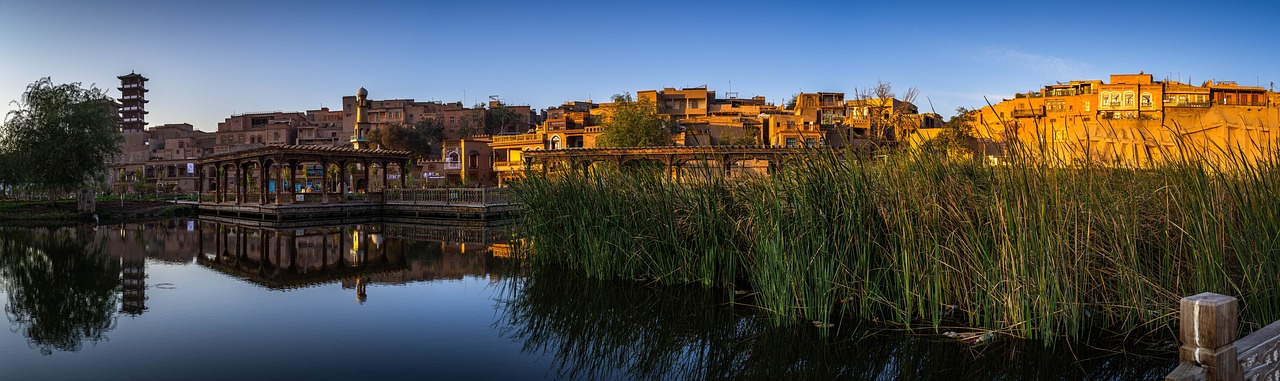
{"points": [[362, 120], [133, 100]]}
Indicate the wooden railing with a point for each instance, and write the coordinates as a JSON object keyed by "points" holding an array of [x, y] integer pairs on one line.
{"points": [[443, 196], [450, 196], [1210, 350]]}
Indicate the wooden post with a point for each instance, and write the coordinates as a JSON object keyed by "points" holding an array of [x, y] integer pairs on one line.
{"points": [[1207, 327], [279, 181]]}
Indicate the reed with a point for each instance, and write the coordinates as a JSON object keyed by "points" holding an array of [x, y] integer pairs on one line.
{"points": [[1031, 248]]}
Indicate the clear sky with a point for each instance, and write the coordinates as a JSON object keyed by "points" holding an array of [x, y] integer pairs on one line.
{"points": [[210, 59]]}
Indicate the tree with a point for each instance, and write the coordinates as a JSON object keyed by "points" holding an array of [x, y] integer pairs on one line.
{"points": [[503, 119], [61, 136], [956, 135], [634, 124], [418, 139], [472, 123], [887, 114]]}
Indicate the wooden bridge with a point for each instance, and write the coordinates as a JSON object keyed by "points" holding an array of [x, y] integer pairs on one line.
{"points": [[1210, 350]]}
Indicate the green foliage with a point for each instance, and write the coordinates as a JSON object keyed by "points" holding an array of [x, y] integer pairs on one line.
{"points": [[417, 139], [634, 124], [1024, 248], [471, 124], [957, 134], [60, 137], [502, 119]]}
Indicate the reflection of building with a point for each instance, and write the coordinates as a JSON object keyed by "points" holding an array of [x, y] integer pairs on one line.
{"points": [[133, 284], [1133, 119], [354, 255], [134, 244]]}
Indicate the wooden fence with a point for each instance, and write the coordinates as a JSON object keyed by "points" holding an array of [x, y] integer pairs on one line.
{"points": [[1210, 350], [449, 196]]}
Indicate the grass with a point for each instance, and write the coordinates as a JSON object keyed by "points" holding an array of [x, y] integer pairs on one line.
{"points": [[1030, 248]]}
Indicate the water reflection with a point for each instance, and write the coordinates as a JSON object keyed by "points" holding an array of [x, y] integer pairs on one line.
{"points": [[599, 330], [62, 290], [353, 255], [66, 286]]}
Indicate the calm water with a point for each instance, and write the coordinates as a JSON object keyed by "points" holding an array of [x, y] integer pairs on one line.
{"points": [[186, 299]]}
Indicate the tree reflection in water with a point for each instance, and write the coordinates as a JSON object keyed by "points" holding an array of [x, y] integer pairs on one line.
{"points": [[602, 330], [62, 289]]}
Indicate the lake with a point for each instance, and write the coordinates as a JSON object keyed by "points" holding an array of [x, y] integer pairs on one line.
{"points": [[201, 299]]}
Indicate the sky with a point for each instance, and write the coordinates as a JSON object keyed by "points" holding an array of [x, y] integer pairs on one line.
{"points": [[207, 60]]}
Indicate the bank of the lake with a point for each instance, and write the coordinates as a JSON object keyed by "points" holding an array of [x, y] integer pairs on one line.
{"points": [[1026, 248], [108, 210]]}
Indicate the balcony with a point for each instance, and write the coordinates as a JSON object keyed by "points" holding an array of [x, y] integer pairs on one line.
{"points": [[452, 166], [521, 138], [129, 97], [1028, 112], [129, 86], [1186, 104]]}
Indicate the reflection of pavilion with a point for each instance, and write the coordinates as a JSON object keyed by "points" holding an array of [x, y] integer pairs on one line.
{"points": [[283, 259], [353, 255]]}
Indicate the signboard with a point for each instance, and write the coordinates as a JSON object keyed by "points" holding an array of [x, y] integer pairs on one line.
{"points": [[191, 168]]}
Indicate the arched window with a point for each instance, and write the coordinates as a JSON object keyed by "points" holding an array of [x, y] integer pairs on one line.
{"points": [[472, 158], [555, 142], [1128, 98]]}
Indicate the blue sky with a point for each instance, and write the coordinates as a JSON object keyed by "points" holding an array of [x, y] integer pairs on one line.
{"points": [[210, 59]]}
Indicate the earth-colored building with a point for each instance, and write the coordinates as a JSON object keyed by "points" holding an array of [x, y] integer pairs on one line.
{"points": [[1134, 120]]}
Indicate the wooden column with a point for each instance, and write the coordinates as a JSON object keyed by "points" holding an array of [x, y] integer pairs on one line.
{"points": [[385, 179], [263, 176], [324, 181], [239, 182], [293, 181], [1207, 327], [342, 181], [404, 173], [368, 180], [279, 181]]}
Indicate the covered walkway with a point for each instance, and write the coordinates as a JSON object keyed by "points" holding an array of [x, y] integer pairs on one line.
{"points": [[233, 177]]}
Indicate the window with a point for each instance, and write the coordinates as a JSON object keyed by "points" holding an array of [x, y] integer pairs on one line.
{"points": [[791, 142], [1146, 100], [473, 157], [1128, 98], [555, 142]]}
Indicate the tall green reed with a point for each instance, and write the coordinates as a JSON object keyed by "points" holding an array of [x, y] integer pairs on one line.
{"points": [[1032, 247]]}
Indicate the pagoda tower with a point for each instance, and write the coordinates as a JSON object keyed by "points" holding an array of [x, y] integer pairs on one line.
{"points": [[133, 100]]}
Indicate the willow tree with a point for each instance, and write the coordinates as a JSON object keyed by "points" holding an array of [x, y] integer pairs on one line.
{"points": [[61, 136], [633, 123]]}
